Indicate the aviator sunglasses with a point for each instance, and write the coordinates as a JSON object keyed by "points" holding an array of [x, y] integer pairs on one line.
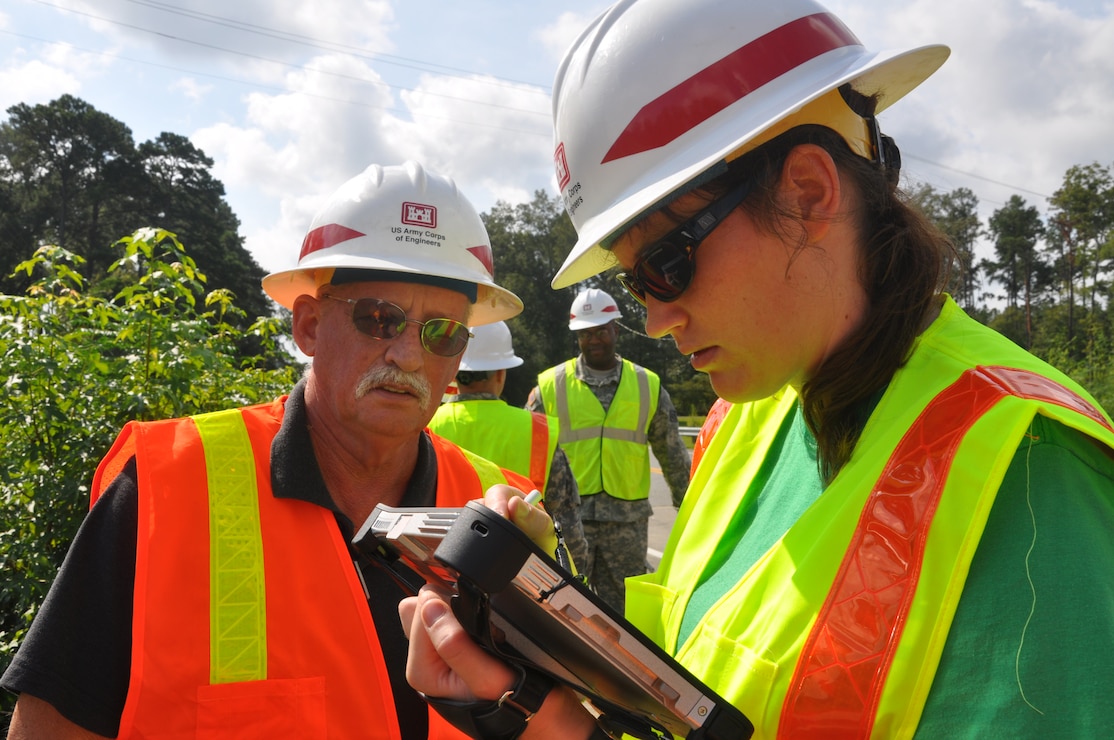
{"points": [[665, 268], [381, 319]]}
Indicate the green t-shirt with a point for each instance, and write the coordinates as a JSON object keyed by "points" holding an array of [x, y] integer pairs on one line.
{"points": [[1031, 647]]}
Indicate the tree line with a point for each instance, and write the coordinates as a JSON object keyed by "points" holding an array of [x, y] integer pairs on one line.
{"points": [[1047, 286], [73, 177]]}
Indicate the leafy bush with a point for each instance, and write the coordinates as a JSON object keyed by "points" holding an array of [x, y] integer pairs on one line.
{"points": [[76, 367]]}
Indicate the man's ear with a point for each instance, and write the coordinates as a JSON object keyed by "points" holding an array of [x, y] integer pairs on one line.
{"points": [[305, 322], [811, 188]]}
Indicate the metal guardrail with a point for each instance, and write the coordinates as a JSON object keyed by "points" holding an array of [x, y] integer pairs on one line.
{"points": [[689, 431]]}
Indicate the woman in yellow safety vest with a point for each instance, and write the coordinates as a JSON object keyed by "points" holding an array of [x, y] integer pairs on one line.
{"points": [[901, 526]]}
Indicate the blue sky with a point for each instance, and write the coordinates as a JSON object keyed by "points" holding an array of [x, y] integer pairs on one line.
{"points": [[291, 98]]}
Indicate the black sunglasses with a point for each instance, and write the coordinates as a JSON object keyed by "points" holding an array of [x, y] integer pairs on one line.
{"points": [[384, 320], [665, 268]]}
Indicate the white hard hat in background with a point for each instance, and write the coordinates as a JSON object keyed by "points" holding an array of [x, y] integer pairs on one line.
{"points": [[398, 219], [656, 96], [592, 307], [490, 349]]}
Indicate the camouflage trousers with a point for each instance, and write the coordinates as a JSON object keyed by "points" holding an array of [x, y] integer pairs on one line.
{"points": [[616, 551]]}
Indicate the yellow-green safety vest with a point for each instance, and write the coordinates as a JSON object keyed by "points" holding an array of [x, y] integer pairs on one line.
{"points": [[837, 630], [514, 438], [606, 451]]}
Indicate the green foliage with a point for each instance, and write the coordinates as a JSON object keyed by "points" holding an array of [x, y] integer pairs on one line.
{"points": [[956, 214], [77, 366], [530, 241], [73, 176]]}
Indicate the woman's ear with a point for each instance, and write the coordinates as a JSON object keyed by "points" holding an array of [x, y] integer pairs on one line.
{"points": [[306, 320], [811, 189]]}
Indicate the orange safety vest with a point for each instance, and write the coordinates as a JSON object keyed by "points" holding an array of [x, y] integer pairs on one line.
{"points": [[249, 618], [708, 429]]}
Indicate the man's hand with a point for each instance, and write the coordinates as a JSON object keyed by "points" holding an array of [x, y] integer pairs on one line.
{"points": [[511, 504], [443, 660]]}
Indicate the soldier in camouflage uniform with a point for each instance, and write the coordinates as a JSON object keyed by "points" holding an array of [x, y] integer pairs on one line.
{"points": [[611, 472]]}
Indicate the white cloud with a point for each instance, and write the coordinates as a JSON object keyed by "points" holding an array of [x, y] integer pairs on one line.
{"points": [[274, 28], [478, 130], [34, 82], [192, 89], [1027, 93], [296, 147], [558, 36]]}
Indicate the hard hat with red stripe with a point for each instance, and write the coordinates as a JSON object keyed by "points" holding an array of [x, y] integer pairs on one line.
{"points": [[401, 222], [656, 96], [490, 349], [592, 307]]}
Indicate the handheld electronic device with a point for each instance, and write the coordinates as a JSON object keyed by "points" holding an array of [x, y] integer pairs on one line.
{"points": [[520, 604]]}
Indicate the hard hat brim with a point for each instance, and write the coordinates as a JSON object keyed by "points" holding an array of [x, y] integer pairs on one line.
{"points": [[489, 365], [493, 303]]}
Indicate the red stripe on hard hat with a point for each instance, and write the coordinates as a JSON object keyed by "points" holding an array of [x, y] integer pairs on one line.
{"points": [[483, 254], [326, 236], [609, 309], [730, 80]]}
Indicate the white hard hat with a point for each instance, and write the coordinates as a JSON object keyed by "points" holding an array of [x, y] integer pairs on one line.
{"points": [[490, 349], [656, 96], [403, 220], [592, 307]]}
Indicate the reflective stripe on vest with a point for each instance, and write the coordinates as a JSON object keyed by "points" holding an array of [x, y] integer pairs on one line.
{"points": [[238, 593], [539, 450], [842, 670], [708, 429], [566, 434]]}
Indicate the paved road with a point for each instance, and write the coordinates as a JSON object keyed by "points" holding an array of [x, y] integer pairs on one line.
{"points": [[664, 513]]}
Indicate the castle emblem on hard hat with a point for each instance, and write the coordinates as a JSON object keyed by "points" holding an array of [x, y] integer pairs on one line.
{"points": [[419, 214], [561, 164]]}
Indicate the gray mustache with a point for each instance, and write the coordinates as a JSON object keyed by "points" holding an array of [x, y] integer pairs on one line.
{"points": [[385, 375]]}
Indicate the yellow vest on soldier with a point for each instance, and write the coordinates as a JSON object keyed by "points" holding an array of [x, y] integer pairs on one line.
{"points": [[841, 624], [514, 438], [606, 451]]}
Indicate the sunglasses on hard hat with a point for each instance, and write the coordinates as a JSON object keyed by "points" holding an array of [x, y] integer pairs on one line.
{"points": [[665, 268], [381, 319]]}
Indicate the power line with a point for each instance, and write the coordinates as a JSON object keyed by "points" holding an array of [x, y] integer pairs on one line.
{"points": [[273, 88], [973, 175], [316, 43], [363, 54], [367, 55]]}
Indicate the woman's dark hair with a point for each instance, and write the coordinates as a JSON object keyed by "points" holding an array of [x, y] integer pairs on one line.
{"points": [[905, 262]]}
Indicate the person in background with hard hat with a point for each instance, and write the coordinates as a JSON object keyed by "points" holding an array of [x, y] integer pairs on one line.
{"points": [[212, 589], [608, 409], [902, 527], [478, 420]]}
